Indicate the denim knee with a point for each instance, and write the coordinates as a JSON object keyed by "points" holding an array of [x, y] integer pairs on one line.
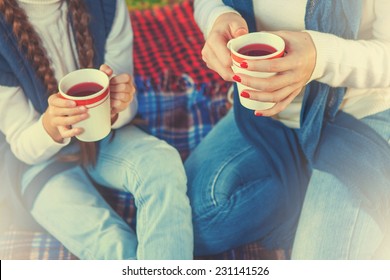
{"points": [[235, 212], [166, 161]]}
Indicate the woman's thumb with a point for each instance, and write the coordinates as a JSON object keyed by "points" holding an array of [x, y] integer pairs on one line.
{"points": [[238, 28]]}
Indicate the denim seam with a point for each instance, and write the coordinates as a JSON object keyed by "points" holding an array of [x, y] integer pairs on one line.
{"points": [[128, 165], [210, 213], [352, 232], [219, 171], [138, 199]]}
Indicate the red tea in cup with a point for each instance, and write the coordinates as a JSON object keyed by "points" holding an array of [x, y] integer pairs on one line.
{"points": [[255, 46], [84, 89], [256, 50]]}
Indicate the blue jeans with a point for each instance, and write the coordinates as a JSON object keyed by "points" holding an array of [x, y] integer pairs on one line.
{"points": [[71, 209], [333, 224], [235, 202]]}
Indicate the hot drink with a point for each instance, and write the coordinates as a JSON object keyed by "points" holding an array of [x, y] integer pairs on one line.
{"points": [[89, 88], [246, 52], [84, 89], [256, 50]]}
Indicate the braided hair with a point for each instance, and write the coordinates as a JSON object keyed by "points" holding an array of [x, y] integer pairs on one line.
{"points": [[31, 45]]}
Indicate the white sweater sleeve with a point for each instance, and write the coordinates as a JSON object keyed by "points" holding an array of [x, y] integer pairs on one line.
{"points": [[24, 132], [119, 55], [206, 12], [363, 63]]}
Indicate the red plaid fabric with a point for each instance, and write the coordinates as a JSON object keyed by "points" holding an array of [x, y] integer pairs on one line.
{"points": [[168, 42], [180, 101]]}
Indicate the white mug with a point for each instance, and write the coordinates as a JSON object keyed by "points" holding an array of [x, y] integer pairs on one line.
{"points": [[90, 88]]}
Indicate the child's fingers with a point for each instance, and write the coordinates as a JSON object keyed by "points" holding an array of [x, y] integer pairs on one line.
{"points": [[121, 79], [69, 120], [56, 100], [122, 97], [106, 69], [69, 132]]}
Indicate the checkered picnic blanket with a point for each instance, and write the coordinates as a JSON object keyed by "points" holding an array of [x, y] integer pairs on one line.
{"points": [[180, 100]]}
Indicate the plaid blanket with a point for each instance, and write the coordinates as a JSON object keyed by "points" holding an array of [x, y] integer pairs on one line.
{"points": [[180, 101]]}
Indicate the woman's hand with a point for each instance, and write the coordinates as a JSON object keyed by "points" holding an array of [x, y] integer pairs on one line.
{"points": [[293, 71], [215, 52], [59, 117], [122, 91]]}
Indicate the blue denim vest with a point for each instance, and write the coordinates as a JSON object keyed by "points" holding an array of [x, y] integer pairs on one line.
{"points": [[320, 117], [15, 70]]}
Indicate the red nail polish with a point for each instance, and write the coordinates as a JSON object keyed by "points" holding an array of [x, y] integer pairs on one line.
{"points": [[257, 114], [244, 64], [245, 94], [237, 78]]}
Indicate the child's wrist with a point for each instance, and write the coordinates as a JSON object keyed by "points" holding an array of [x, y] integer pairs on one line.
{"points": [[53, 132]]}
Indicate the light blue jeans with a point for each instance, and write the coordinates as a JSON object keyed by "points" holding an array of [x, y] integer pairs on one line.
{"points": [[72, 210], [333, 224], [235, 202]]}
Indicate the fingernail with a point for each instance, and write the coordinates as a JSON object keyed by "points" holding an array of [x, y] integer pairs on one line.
{"points": [[245, 94], [258, 114], [244, 64], [237, 78]]}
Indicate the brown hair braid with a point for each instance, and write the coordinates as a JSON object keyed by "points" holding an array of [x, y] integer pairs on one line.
{"points": [[31, 44]]}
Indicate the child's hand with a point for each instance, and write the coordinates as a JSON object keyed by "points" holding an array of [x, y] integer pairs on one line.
{"points": [[59, 117], [122, 91]]}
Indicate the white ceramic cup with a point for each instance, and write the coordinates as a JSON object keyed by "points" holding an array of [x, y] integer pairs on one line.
{"points": [[98, 124], [276, 43]]}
